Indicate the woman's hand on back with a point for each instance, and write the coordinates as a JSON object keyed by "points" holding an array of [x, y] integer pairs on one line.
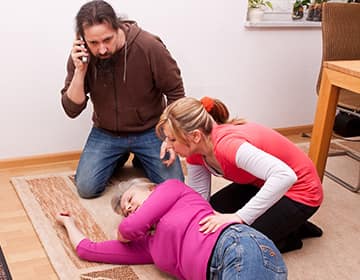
{"points": [[212, 223]]}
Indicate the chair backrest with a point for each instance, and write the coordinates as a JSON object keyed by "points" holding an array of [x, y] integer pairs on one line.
{"points": [[340, 33]]}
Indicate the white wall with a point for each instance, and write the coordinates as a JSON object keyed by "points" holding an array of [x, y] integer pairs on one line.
{"points": [[264, 75]]}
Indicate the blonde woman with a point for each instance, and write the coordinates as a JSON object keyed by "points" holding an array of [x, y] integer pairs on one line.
{"points": [[161, 226], [275, 186]]}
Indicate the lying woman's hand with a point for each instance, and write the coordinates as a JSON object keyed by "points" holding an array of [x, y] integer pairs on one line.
{"points": [[121, 238], [213, 222]]}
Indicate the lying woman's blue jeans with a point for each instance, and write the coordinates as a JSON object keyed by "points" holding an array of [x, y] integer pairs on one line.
{"points": [[103, 151], [241, 252]]}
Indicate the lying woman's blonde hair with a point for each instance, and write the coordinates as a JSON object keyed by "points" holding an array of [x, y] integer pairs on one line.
{"points": [[124, 186]]}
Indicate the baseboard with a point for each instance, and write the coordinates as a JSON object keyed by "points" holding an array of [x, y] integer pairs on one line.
{"points": [[286, 131], [75, 155], [39, 159]]}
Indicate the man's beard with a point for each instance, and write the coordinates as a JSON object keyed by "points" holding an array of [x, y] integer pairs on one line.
{"points": [[106, 55], [104, 63]]}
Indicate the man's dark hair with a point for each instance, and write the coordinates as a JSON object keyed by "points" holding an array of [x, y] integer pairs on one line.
{"points": [[95, 12]]}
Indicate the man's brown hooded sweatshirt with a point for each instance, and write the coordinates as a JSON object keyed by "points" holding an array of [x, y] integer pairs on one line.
{"points": [[130, 90]]}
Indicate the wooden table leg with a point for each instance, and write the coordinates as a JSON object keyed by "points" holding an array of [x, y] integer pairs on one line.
{"points": [[323, 123]]}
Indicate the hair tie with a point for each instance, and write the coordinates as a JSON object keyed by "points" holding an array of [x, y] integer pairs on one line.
{"points": [[208, 103]]}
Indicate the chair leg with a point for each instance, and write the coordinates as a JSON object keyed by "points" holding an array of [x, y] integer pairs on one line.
{"points": [[339, 180]]}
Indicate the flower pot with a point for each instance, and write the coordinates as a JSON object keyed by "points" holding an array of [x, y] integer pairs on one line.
{"points": [[255, 14], [298, 13]]}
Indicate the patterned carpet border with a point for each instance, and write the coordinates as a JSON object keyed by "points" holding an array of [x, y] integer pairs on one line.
{"points": [[4, 269]]}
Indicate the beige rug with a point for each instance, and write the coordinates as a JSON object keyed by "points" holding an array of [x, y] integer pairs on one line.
{"points": [[46, 195]]}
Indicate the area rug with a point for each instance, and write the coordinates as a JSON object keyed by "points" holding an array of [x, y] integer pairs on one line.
{"points": [[44, 196], [4, 270]]}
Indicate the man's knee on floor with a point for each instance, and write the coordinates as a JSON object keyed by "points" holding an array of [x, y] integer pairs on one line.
{"points": [[87, 190]]}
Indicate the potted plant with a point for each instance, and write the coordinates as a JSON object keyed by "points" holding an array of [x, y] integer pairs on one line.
{"points": [[256, 9], [315, 10], [298, 8]]}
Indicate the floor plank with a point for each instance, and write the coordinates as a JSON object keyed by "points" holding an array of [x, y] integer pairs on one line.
{"points": [[23, 251]]}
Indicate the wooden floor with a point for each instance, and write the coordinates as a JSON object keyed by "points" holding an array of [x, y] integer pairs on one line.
{"points": [[23, 251]]}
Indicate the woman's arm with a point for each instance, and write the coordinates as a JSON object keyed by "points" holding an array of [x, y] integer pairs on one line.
{"points": [[111, 251], [121, 238], [278, 177], [115, 252], [199, 178], [74, 233]]}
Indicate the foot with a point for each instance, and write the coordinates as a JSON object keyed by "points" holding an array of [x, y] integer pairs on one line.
{"points": [[308, 230], [290, 244]]}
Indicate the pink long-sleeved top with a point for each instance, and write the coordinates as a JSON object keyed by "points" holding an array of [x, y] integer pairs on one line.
{"points": [[176, 247]]}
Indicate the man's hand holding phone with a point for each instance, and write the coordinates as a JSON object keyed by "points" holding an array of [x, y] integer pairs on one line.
{"points": [[80, 54], [84, 58]]}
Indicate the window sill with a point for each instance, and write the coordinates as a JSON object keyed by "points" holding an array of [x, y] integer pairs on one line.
{"points": [[282, 19]]}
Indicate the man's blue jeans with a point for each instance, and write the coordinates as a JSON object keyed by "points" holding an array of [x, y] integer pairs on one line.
{"points": [[241, 252], [103, 151]]}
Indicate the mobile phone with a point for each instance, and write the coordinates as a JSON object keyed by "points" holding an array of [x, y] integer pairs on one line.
{"points": [[84, 59]]}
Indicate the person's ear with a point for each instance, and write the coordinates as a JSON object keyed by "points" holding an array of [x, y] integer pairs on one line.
{"points": [[196, 136]]}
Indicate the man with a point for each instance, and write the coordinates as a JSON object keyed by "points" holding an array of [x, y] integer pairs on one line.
{"points": [[130, 77]]}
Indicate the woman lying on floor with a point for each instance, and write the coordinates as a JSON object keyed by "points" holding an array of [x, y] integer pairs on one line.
{"points": [[162, 226]]}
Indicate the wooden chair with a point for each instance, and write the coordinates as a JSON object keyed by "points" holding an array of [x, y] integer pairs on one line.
{"points": [[341, 41]]}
